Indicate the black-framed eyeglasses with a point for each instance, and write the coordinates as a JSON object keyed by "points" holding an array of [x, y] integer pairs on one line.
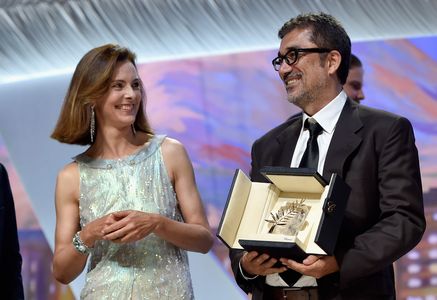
{"points": [[293, 54]]}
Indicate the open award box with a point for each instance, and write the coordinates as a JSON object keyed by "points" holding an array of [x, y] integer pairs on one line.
{"points": [[298, 213]]}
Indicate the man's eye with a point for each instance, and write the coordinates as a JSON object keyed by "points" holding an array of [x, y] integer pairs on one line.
{"points": [[356, 86], [290, 57]]}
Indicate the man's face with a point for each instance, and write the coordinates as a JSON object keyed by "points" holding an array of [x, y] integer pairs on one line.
{"points": [[306, 79], [354, 84]]}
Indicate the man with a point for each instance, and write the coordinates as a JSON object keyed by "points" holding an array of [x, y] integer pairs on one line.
{"points": [[11, 286], [354, 82], [372, 150]]}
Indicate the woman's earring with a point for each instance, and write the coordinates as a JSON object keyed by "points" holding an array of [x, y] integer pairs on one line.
{"points": [[92, 125], [133, 129]]}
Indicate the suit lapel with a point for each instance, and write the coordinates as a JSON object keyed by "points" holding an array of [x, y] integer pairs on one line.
{"points": [[344, 141], [287, 142]]}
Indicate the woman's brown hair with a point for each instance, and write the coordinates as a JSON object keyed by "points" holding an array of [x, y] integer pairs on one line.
{"points": [[90, 82]]}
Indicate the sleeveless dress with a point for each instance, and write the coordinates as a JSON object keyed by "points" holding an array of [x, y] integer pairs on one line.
{"points": [[151, 268]]}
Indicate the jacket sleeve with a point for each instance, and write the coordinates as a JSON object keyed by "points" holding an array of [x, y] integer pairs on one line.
{"points": [[11, 285], [397, 192]]}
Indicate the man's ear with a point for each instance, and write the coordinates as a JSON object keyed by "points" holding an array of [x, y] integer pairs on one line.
{"points": [[333, 60]]}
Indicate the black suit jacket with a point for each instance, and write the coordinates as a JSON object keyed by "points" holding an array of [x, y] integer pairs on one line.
{"points": [[375, 153], [11, 286]]}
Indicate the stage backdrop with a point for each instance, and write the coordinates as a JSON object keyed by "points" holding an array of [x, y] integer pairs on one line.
{"points": [[217, 106]]}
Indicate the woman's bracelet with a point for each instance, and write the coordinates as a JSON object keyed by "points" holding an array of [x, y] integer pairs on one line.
{"points": [[79, 245]]}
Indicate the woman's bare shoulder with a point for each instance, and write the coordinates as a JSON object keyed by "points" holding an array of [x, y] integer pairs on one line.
{"points": [[69, 172], [172, 146]]}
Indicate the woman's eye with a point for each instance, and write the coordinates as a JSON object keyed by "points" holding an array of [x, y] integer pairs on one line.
{"points": [[117, 85]]}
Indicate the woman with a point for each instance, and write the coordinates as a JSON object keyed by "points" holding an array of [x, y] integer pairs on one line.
{"points": [[130, 200]]}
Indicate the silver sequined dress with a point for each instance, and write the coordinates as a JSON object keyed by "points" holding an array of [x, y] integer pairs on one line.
{"points": [[147, 269]]}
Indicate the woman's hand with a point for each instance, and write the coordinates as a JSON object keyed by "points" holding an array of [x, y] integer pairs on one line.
{"points": [[94, 230], [130, 226]]}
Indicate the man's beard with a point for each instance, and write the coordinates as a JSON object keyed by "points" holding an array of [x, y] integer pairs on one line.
{"points": [[308, 96]]}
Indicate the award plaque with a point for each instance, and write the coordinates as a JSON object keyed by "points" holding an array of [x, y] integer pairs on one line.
{"points": [[297, 213]]}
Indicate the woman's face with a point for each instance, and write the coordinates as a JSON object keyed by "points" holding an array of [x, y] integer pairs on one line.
{"points": [[119, 107]]}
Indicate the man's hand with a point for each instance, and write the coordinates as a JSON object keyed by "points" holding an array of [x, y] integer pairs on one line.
{"points": [[315, 266], [254, 264]]}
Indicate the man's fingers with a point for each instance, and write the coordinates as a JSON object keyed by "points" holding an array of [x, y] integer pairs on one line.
{"points": [[261, 259], [270, 269], [249, 256], [310, 260], [291, 264], [261, 264], [269, 263]]}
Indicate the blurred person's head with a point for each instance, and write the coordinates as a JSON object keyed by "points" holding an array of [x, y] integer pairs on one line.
{"points": [[354, 82]]}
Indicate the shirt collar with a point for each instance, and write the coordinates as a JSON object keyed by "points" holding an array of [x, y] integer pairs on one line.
{"points": [[328, 116]]}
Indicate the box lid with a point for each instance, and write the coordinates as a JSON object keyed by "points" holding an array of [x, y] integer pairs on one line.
{"points": [[298, 180], [333, 212], [228, 227]]}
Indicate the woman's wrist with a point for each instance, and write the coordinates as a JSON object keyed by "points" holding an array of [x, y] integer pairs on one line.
{"points": [[86, 238], [159, 223]]}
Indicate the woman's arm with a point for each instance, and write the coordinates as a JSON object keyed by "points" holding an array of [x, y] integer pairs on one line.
{"points": [[195, 233], [68, 263]]}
